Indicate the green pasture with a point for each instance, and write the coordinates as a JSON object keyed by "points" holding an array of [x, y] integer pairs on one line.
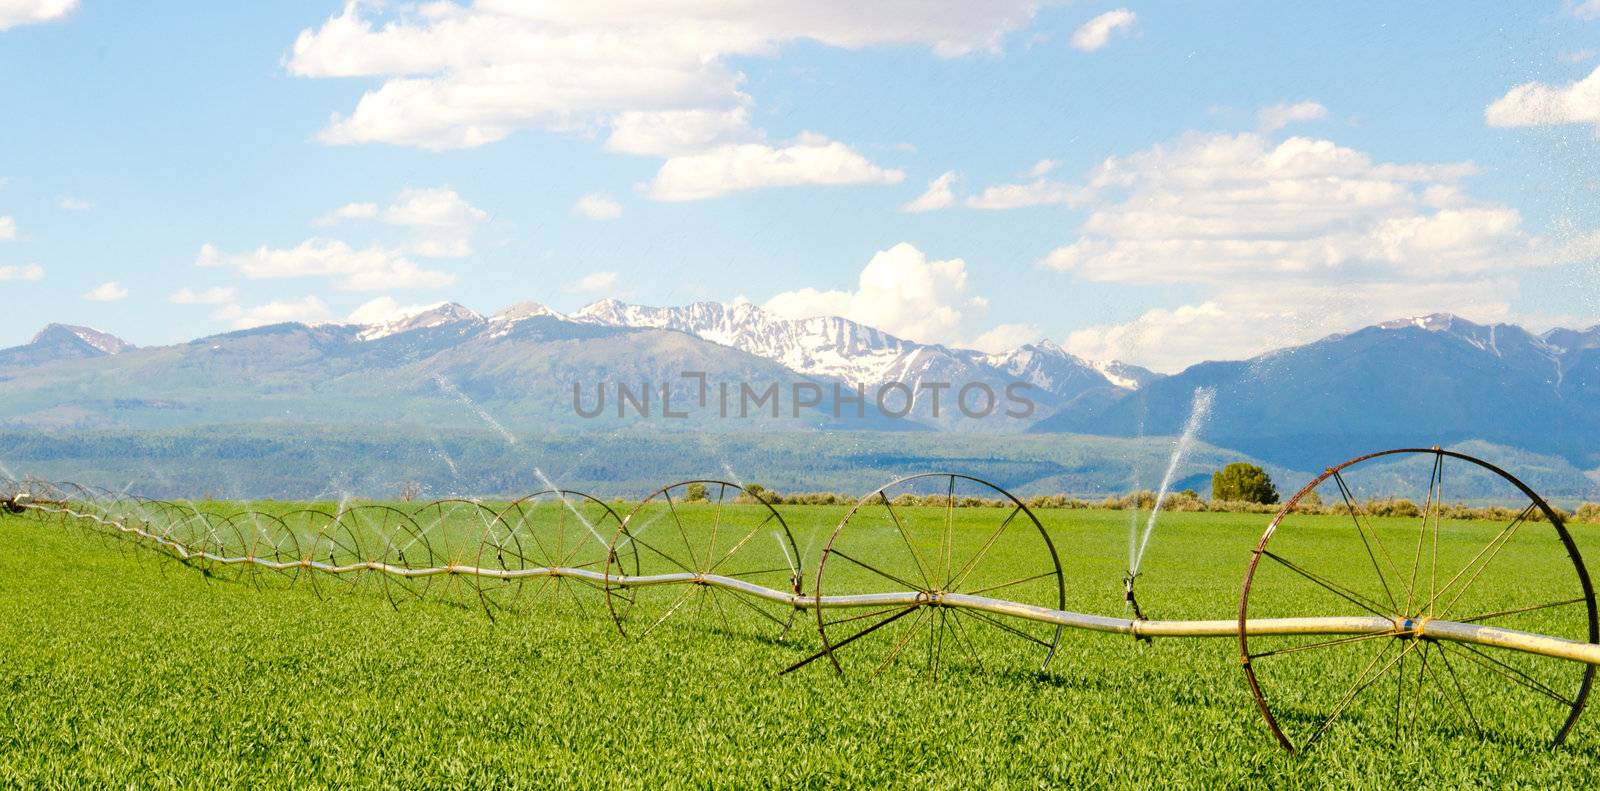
{"points": [[121, 668]]}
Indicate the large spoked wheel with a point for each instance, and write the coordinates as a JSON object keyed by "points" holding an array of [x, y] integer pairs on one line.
{"points": [[563, 538], [908, 552], [710, 550], [430, 552], [1386, 544]]}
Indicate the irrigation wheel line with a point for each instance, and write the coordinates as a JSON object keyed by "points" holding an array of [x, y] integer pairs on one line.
{"points": [[1436, 583], [745, 562], [880, 547], [526, 536]]}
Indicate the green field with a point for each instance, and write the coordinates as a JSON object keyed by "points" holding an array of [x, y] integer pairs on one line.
{"points": [[120, 669]]}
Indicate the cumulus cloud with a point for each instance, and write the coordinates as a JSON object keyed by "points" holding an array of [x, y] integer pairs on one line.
{"points": [[306, 310], [938, 195], [1286, 241], [669, 132], [111, 291], [598, 206], [68, 203], [1005, 338], [1039, 192], [385, 309], [749, 166], [349, 211], [596, 282], [441, 223], [221, 295], [1278, 116], [28, 12], [455, 76], [8, 228], [26, 272], [1096, 33], [1541, 104], [899, 291], [370, 269]]}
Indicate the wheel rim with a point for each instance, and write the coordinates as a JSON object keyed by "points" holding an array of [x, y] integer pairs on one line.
{"points": [[551, 529], [886, 544], [1412, 567], [734, 532]]}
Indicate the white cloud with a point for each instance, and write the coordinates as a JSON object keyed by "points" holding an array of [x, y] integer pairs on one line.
{"points": [[596, 282], [748, 166], [1005, 338], [26, 272], [1575, 56], [1213, 206], [371, 269], [385, 309], [27, 12], [8, 228], [455, 76], [1278, 116], [68, 203], [106, 292], [349, 211], [220, 295], [1041, 167], [669, 132], [1096, 33], [1040, 192], [440, 220], [1585, 10], [938, 195], [899, 291], [598, 206], [1285, 242], [305, 310], [1540, 104]]}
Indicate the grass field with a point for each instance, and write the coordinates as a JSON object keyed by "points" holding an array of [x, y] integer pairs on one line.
{"points": [[117, 669]]}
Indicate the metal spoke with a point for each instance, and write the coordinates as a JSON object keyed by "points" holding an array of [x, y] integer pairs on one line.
{"points": [[1460, 691], [901, 644], [1294, 649], [966, 640], [990, 588], [1516, 675], [1503, 613], [1349, 502], [682, 597], [1348, 595], [922, 564], [949, 527], [1010, 628], [877, 571], [736, 547], [769, 616], [1496, 544], [1366, 679], [681, 532], [983, 550], [828, 650], [1422, 532]]}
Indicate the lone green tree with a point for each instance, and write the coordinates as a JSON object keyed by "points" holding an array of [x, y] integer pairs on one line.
{"points": [[696, 492], [1243, 482]]}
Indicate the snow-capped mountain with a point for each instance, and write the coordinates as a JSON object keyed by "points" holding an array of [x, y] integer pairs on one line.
{"points": [[1422, 381], [834, 347], [63, 342], [423, 318]]}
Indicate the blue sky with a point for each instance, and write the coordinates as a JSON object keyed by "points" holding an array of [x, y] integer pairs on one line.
{"points": [[1158, 182]]}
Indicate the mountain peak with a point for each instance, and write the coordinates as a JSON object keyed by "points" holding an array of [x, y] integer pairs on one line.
{"points": [[523, 310], [103, 342], [425, 317], [1433, 322]]}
